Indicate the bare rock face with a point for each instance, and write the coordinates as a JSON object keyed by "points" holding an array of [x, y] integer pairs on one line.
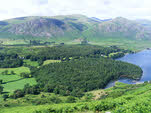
{"points": [[124, 27], [45, 27], [75, 26]]}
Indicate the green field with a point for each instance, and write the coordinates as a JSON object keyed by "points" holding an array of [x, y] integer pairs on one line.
{"points": [[13, 42], [16, 82], [51, 61], [13, 82], [125, 43], [31, 63], [16, 70]]}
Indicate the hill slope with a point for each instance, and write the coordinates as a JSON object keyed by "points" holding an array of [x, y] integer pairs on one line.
{"points": [[72, 27], [124, 28], [122, 98]]}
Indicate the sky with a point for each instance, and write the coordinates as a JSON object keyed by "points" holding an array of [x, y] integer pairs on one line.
{"points": [[131, 9]]}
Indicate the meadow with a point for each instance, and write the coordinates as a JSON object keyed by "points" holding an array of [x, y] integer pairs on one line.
{"points": [[118, 41], [126, 43], [12, 82], [31, 63], [51, 61]]}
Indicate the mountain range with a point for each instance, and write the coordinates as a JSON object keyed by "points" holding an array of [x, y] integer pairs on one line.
{"points": [[74, 27]]}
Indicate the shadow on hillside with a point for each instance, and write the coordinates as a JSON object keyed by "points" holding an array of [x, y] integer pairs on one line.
{"points": [[5, 92], [13, 81]]}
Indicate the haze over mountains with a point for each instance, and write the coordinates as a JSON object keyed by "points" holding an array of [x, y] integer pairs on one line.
{"points": [[74, 27]]}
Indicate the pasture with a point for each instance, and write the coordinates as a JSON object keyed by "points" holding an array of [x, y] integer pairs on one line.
{"points": [[12, 82], [51, 61]]}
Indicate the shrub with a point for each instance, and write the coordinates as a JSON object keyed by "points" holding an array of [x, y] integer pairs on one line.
{"points": [[55, 99], [71, 99], [17, 94], [1, 89]]}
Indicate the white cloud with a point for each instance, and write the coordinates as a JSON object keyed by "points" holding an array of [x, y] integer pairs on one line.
{"points": [[131, 9]]}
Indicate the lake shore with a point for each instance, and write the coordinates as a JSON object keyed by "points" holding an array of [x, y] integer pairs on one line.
{"points": [[142, 59]]}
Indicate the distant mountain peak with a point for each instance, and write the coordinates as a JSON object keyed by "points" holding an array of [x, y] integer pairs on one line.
{"points": [[120, 19], [74, 26], [100, 20]]}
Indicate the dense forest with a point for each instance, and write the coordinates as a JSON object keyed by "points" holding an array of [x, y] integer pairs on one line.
{"points": [[10, 61], [77, 76], [65, 52], [14, 56]]}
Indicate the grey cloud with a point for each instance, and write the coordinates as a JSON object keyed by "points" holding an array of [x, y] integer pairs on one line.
{"points": [[131, 9]]}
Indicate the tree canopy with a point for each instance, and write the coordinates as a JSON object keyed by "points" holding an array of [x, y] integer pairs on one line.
{"points": [[85, 74]]}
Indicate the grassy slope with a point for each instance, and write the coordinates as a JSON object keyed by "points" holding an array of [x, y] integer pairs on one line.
{"points": [[121, 42], [90, 33], [31, 63], [17, 83], [122, 98], [13, 82], [50, 61], [16, 70]]}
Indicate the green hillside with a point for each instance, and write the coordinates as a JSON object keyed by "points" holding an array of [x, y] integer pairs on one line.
{"points": [[72, 29], [122, 98]]}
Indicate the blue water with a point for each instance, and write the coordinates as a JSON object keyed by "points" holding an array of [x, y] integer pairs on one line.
{"points": [[143, 60]]}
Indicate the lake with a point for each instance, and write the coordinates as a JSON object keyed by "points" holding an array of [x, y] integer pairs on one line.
{"points": [[143, 60]]}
